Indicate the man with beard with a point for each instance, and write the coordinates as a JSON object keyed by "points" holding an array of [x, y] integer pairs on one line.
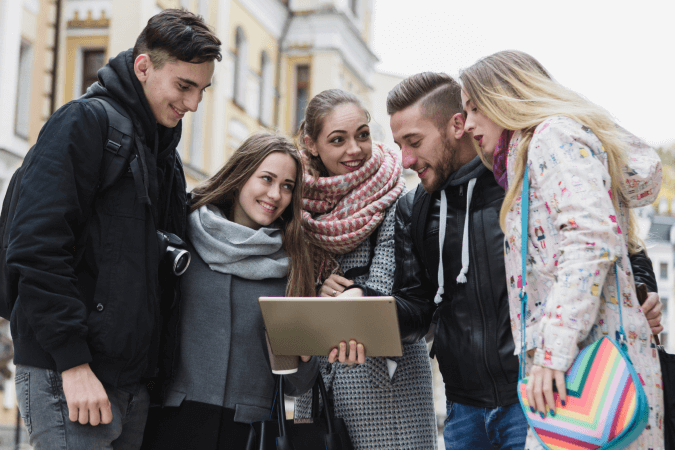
{"points": [[450, 265]]}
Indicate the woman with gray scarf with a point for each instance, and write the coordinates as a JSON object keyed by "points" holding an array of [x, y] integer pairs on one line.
{"points": [[245, 236]]}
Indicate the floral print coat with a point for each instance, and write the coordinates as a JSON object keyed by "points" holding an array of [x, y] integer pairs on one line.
{"points": [[575, 235]]}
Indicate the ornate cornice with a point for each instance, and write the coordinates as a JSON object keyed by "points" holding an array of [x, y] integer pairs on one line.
{"points": [[89, 22]]}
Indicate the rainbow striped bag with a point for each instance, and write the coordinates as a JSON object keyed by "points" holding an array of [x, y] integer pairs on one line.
{"points": [[606, 407]]}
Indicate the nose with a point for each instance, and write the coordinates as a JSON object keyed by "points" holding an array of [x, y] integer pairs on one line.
{"points": [[408, 160], [353, 147], [192, 101], [274, 193], [469, 125]]}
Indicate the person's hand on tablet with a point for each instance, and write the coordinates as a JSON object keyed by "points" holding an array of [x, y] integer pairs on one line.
{"points": [[334, 285], [353, 354]]}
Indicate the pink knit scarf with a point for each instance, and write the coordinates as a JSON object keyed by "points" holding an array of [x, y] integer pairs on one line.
{"points": [[340, 212]]}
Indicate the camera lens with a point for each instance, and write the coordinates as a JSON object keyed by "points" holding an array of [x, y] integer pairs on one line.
{"points": [[180, 259]]}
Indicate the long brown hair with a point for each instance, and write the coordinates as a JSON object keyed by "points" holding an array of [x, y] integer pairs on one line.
{"points": [[224, 186], [317, 110]]}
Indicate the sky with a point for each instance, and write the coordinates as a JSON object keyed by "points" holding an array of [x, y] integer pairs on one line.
{"points": [[618, 54]]}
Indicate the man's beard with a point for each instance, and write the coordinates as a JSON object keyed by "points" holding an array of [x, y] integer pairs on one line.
{"points": [[445, 166]]}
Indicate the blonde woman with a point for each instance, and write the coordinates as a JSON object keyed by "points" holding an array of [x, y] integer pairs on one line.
{"points": [[585, 174]]}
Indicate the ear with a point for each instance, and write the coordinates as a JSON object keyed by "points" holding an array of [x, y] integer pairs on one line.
{"points": [[456, 126], [142, 67], [310, 146]]}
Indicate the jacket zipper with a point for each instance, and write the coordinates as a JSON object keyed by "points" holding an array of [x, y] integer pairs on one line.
{"points": [[483, 316]]}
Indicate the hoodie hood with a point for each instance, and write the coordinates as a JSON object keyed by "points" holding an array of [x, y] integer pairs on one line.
{"points": [[471, 170]]}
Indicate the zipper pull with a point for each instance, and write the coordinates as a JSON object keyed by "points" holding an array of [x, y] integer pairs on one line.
{"points": [[461, 190]]}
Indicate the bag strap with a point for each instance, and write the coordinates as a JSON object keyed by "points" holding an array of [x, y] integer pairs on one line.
{"points": [[525, 206]]}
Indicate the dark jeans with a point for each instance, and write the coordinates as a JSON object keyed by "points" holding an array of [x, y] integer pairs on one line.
{"points": [[469, 427], [39, 394]]}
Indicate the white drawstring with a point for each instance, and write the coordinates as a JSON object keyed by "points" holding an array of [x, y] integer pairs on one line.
{"points": [[443, 209], [465, 236]]}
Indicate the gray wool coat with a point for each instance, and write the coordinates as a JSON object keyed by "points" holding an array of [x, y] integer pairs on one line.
{"points": [[381, 412], [223, 358]]}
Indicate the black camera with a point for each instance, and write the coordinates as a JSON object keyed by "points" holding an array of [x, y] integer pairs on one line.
{"points": [[172, 252]]}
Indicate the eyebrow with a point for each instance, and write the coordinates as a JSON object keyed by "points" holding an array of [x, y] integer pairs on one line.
{"points": [[275, 176], [343, 131], [191, 83]]}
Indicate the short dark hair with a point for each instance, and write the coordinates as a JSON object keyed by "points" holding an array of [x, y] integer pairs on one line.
{"points": [[177, 34], [437, 93]]}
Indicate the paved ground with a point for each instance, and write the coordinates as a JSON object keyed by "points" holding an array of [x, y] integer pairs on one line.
{"points": [[7, 437]]}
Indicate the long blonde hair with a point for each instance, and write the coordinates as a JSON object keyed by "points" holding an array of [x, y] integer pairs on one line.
{"points": [[516, 92]]}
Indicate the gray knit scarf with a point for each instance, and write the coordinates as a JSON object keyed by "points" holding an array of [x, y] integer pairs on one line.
{"points": [[235, 249]]}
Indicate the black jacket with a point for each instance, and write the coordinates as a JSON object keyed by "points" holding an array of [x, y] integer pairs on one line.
{"points": [[473, 340], [106, 311]]}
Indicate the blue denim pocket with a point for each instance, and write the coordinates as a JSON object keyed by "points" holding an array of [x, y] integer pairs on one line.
{"points": [[449, 408], [22, 384]]}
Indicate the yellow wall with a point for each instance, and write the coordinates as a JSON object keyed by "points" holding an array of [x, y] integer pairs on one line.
{"points": [[73, 46], [258, 40]]}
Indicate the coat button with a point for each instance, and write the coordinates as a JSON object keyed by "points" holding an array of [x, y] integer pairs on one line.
{"points": [[99, 307]]}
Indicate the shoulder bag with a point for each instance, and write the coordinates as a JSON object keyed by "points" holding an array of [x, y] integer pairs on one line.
{"points": [[322, 431]]}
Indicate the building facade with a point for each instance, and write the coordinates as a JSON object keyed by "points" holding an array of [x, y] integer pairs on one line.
{"points": [[277, 54]]}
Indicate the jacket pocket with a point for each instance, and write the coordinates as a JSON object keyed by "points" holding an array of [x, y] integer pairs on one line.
{"points": [[22, 383]]}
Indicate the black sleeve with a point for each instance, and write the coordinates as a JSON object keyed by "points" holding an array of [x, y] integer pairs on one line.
{"points": [[642, 267], [55, 196], [412, 289]]}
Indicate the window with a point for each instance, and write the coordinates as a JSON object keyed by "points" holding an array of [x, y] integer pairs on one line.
{"points": [[240, 67], [302, 85], [353, 7], [266, 90], [92, 61], [23, 90], [664, 271]]}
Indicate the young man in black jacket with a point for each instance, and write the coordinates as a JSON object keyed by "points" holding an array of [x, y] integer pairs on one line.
{"points": [[91, 294], [456, 209]]}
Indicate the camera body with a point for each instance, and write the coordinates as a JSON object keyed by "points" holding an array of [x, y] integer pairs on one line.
{"points": [[172, 252]]}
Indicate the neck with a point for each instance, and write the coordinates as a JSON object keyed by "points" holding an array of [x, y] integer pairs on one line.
{"points": [[466, 149]]}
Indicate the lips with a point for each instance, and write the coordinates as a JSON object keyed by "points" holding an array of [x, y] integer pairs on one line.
{"points": [[421, 172], [268, 208], [479, 138], [352, 165], [177, 113]]}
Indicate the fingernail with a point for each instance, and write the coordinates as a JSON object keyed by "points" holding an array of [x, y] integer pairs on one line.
{"points": [[551, 412], [532, 409], [353, 343], [342, 344], [361, 346], [563, 403], [542, 415]]}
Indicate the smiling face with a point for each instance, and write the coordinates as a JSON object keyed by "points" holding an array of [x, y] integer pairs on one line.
{"points": [[344, 142], [174, 89], [267, 193], [424, 148], [484, 130]]}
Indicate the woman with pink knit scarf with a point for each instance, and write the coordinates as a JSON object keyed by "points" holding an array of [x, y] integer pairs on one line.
{"points": [[351, 190]]}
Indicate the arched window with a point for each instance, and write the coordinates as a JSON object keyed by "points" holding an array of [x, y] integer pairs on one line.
{"points": [[240, 67], [266, 90]]}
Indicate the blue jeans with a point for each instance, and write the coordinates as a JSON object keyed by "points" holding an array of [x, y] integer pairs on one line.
{"points": [[469, 427], [39, 394]]}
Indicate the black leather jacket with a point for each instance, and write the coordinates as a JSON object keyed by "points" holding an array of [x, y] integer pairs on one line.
{"points": [[473, 340]]}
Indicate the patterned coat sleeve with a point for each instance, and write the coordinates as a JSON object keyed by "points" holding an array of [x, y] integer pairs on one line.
{"points": [[586, 223]]}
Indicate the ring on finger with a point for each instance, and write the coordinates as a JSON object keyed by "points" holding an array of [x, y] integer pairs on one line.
{"points": [[334, 293]]}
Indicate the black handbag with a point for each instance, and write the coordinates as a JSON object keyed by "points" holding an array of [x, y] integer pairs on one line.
{"points": [[322, 431], [667, 367]]}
